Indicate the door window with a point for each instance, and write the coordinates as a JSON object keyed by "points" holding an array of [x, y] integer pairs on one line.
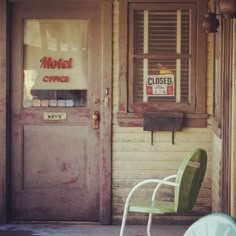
{"points": [[55, 63]]}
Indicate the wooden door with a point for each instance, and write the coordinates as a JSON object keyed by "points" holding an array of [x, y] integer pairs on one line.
{"points": [[55, 78]]}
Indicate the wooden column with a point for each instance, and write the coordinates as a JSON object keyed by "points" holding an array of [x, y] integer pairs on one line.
{"points": [[105, 189], [226, 74], [3, 110]]}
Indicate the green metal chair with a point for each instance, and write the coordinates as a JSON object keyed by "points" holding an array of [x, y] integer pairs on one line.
{"points": [[187, 186], [215, 224]]}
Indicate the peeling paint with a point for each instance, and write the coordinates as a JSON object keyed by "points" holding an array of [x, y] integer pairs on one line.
{"points": [[22, 116], [64, 167], [73, 180], [40, 172], [122, 107]]}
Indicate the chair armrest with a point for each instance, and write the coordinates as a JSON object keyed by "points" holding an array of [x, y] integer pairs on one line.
{"points": [[160, 184], [144, 182]]}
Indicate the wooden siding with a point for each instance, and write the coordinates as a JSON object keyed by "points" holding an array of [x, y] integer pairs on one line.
{"points": [[216, 173], [135, 159]]}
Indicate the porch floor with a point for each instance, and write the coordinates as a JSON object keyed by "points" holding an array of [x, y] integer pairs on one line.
{"points": [[67, 229]]}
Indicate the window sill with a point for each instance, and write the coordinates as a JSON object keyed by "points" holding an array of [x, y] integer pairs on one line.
{"points": [[136, 120]]}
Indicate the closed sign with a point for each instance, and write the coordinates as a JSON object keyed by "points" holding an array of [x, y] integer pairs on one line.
{"points": [[160, 85]]}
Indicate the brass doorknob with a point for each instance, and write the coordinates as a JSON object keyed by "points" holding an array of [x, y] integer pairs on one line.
{"points": [[95, 118]]}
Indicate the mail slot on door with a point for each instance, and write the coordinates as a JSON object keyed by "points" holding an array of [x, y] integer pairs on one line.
{"points": [[163, 121]]}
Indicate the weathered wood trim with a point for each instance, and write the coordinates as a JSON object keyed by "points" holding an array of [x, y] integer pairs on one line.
{"points": [[198, 94], [129, 119], [106, 142], [201, 68], [55, 1], [123, 60], [217, 78], [163, 1], [195, 122], [136, 120], [216, 127], [227, 53], [3, 110]]}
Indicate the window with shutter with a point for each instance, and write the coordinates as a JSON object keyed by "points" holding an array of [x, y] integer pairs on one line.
{"points": [[162, 59]]}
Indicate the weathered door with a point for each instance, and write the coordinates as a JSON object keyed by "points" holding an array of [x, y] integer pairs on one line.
{"points": [[55, 84]]}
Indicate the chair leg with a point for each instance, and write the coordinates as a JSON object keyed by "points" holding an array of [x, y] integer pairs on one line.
{"points": [[149, 224], [123, 221]]}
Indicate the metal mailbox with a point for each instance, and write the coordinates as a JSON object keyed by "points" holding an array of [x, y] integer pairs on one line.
{"points": [[163, 121]]}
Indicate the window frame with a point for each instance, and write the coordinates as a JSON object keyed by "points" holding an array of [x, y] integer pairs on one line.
{"points": [[130, 114], [139, 106]]}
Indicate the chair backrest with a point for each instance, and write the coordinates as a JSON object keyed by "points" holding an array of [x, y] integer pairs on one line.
{"points": [[189, 179], [215, 224]]}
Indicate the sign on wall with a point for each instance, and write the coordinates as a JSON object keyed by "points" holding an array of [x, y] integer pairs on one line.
{"points": [[160, 85]]}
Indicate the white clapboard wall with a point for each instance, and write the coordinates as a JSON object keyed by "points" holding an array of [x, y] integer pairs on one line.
{"points": [[135, 159]]}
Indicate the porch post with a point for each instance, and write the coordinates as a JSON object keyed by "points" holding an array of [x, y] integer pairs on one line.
{"points": [[3, 110], [105, 188], [227, 114]]}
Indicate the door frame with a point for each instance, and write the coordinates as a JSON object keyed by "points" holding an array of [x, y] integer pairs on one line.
{"points": [[106, 111]]}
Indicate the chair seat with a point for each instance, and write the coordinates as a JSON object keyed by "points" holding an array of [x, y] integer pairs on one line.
{"points": [[147, 206]]}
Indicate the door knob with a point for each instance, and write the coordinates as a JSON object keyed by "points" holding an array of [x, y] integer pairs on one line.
{"points": [[96, 119]]}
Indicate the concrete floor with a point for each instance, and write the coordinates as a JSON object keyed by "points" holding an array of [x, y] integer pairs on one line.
{"points": [[87, 230]]}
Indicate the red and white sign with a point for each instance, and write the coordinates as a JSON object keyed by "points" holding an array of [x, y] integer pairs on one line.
{"points": [[55, 66], [50, 63], [160, 85]]}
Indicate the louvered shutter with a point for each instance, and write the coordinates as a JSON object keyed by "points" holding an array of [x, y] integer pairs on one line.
{"points": [[162, 40]]}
